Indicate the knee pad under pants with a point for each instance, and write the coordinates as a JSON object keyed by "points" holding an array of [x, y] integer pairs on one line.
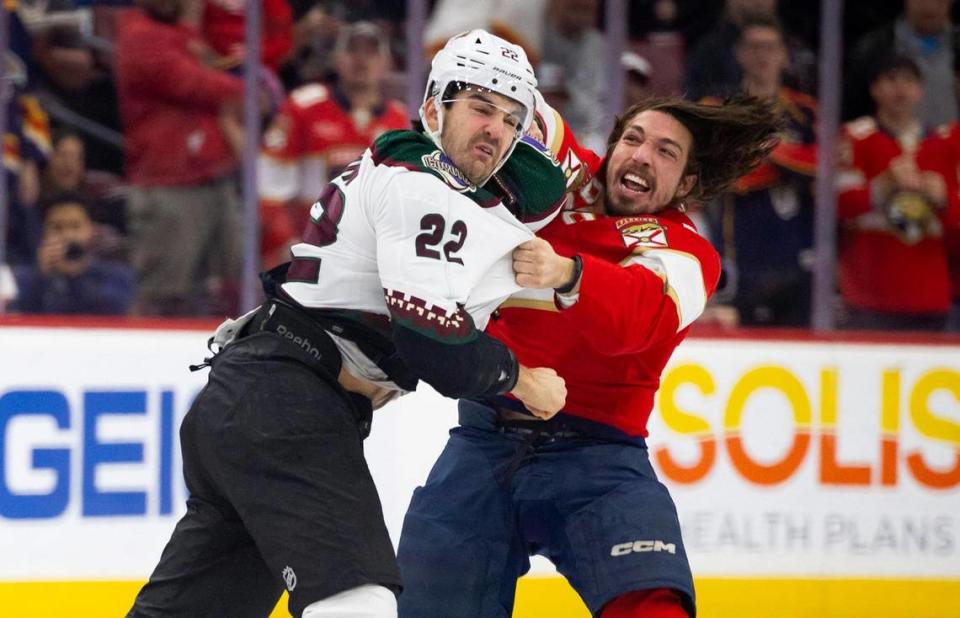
{"points": [[368, 601]]}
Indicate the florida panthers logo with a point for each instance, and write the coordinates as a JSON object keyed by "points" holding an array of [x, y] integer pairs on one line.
{"points": [[642, 232]]}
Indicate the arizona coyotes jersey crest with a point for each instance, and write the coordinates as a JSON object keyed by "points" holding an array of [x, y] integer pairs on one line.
{"points": [[645, 280], [402, 233]]}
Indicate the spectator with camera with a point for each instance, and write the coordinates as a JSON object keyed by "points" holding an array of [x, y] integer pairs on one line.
{"points": [[69, 277], [897, 195]]}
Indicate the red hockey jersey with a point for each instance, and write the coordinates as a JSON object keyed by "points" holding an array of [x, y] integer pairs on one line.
{"points": [[224, 27], [892, 256], [313, 137], [951, 233], [645, 280]]}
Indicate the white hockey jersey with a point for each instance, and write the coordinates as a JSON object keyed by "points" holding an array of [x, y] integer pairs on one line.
{"points": [[401, 233]]}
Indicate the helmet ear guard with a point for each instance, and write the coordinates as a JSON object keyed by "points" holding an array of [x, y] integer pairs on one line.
{"points": [[493, 64]]}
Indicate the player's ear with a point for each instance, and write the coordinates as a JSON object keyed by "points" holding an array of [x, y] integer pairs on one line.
{"points": [[430, 113], [686, 185]]}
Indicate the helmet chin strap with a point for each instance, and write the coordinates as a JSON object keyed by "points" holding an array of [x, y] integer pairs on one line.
{"points": [[435, 137]]}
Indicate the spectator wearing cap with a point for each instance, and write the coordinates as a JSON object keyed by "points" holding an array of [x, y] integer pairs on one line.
{"points": [[69, 277], [561, 39], [897, 194], [316, 24], [183, 209], [636, 85], [319, 130], [763, 228], [925, 34]]}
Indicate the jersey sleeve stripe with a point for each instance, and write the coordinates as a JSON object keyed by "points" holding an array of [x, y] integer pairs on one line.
{"points": [[532, 298], [683, 277]]}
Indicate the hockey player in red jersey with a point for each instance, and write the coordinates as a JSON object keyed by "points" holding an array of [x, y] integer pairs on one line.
{"points": [[629, 273]]}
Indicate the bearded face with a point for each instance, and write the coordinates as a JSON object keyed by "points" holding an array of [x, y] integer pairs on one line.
{"points": [[645, 169]]}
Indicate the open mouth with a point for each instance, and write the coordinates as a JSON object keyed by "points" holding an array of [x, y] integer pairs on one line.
{"points": [[634, 183]]}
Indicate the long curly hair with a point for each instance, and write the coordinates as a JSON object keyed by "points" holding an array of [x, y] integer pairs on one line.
{"points": [[729, 139]]}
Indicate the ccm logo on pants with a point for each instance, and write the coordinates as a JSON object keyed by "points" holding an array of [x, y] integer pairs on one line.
{"points": [[638, 547]]}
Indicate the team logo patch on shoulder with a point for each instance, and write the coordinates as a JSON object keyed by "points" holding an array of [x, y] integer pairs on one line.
{"points": [[541, 148], [642, 232], [444, 167]]}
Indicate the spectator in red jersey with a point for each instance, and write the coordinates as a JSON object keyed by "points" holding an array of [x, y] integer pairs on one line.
{"points": [[224, 28], [184, 209], [898, 192], [320, 129], [629, 273]]}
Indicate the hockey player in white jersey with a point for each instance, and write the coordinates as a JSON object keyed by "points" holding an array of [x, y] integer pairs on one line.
{"points": [[406, 255]]}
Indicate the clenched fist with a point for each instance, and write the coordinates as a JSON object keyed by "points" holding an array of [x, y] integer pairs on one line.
{"points": [[537, 265], [541, 390]]}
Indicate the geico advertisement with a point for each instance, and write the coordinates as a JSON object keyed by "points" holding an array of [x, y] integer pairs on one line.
{"points": [[813, 458], [784, 458], [91, 481], [89, 454]]}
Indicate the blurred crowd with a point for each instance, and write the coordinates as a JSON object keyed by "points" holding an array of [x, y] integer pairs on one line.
{"points": [[124, 134]]}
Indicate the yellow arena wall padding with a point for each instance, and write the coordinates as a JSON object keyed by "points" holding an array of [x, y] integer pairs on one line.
{"points": [[552, 597]]}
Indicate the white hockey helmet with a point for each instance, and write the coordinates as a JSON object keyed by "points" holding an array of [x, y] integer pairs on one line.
{"points": [[481, 59]]}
